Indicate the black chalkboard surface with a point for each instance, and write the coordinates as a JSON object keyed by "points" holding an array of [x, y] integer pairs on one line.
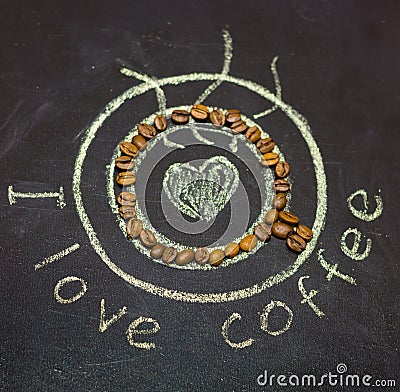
{"points": [[84, 308]]}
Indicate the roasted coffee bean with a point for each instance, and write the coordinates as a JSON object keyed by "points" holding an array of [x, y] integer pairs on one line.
{"points": [[248, 243], [271, 216], [134, 227], [304, 232], [201, 256], [295, 243], [127, 148], [169, 255], [216, 257], [199, 112], [289, 218], [139, 141], [157, 251], [180, 116], [232, 249], [160, 123], [279, 201], [281, 185], [125, 178], [270, 159], [125, 162], [127, 212], [253, 134], [126, 199], [185, 256], [282, 169], [217, 118], [232, 115], [148, 239], [265, 145], [281, 230], [146, 130], [263, 231], [239, 126]]}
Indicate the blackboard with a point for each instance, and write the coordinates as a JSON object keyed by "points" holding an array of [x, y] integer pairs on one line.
{"points": [[327, 75]]}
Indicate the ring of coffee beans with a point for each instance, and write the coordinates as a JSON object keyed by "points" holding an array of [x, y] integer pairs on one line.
{"points": [[278, 222]]}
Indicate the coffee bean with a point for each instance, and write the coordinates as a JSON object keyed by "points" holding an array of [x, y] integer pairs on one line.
{"points": [[126, 199], [199, 112], [201, 256], [288, 217], [157, 251], [126, 178], [169, 255], [125, 162], [217, 118], [239, 126], [232, 249], [281, 185], [139, 141], [232, 115], [134, 227], [127, 148], [146, 130], [265, 145], [148, 239], [253, 134], [180, 116], [304, 232], [216, 257], [160, 123], [295, 243], [185, 257], [271, 216], [282, 169], [127, 212], [281, 230], [279, 201], [248, 243], [270, 159], [263, 231]]}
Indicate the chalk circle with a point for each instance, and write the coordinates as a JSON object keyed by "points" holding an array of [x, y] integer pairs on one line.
{"points": [[217, 297], [157, 148]]}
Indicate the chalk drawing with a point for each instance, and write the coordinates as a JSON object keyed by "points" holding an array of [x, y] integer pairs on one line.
{"points": [[225, 334], [169, 143], [104, 324], [225, 69], [13, 196], [222, 140], [353, 252], [62, 282], [152, 82], [278, 89], [198, 136], [363, 214], [201, 192], [307, 297], [299, 121], [333, 269], [132, 330], [264, 318], [233, 144], [57, 256]]}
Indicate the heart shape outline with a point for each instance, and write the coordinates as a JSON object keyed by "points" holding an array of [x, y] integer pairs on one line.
{"points": [[216, 170]]}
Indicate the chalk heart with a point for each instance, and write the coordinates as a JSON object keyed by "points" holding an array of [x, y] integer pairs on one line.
{"points": [[201, 192]]}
